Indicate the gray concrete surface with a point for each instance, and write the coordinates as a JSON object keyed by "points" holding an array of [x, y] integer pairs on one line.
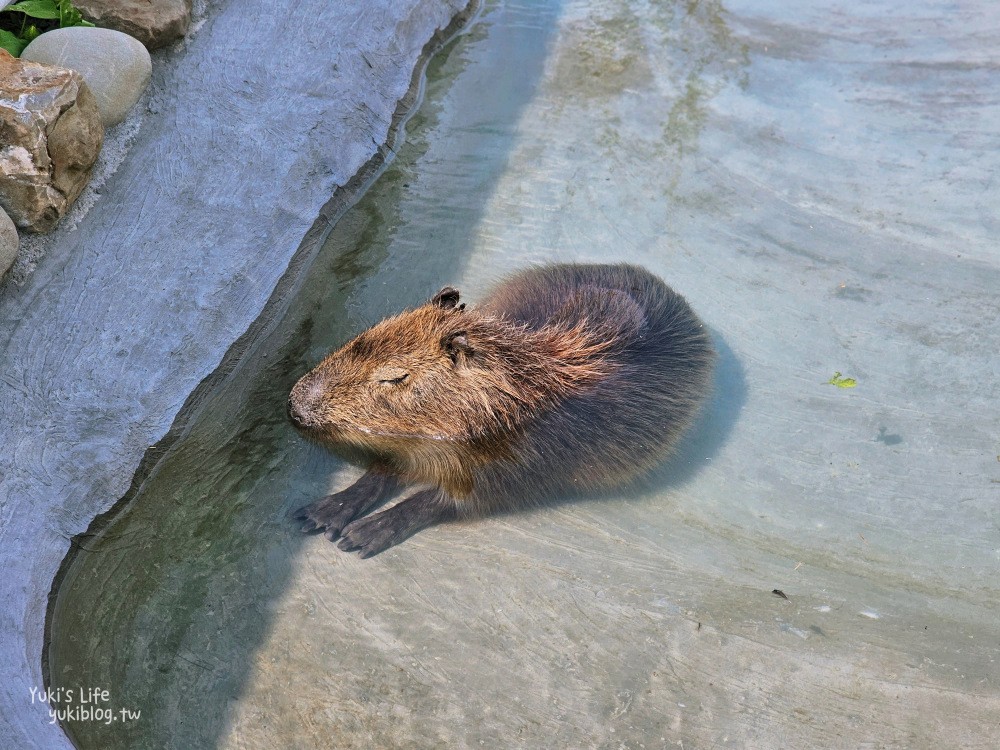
{"points": [[818, 181], [255, 122]]}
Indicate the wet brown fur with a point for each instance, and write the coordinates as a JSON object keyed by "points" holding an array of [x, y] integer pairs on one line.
{"points": [[564, 378]]}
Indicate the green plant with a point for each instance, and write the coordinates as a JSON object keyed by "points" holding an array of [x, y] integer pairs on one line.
{"points": [[36, 17]]}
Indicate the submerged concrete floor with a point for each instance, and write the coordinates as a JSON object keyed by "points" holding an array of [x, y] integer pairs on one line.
{"points": [[819, 183], [254, 122]]}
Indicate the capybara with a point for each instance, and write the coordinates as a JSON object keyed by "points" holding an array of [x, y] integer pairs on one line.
{"points": [[565, 378]]}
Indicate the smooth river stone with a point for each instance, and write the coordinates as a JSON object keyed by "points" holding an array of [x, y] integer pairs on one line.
{"points": [[8, 242], [116, 66]]}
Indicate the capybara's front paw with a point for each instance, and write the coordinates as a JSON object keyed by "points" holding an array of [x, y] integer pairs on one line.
{"points": [[372, 534], [329, 515], [376, 533]]}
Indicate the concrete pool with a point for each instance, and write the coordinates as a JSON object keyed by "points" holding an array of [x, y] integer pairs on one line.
{"points": [[819, 184]]}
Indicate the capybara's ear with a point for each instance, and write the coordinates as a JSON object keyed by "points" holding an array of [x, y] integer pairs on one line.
{"points": [[457, 343], [446, 298]]}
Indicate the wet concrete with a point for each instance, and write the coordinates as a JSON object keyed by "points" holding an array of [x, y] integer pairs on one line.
{"points": [[817, 182]]}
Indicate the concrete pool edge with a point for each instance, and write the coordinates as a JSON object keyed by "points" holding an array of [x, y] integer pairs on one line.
{"points": [[28, 588]]}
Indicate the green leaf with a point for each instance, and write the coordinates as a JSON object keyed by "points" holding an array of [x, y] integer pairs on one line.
{"points": [[12, 43], [36, 8], [68, 15], [841, 382]]}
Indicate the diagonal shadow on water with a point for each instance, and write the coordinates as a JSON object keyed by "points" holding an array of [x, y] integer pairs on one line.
{"points": [[165, 598]]}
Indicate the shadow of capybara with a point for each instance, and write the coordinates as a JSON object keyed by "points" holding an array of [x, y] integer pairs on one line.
{"points": [[566, 378]]}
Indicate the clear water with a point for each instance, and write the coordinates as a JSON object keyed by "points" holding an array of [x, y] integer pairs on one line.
{"points": [[819, 182]]}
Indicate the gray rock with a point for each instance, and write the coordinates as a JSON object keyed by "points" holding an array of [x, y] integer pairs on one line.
{"points": [[115, 66], [50, 136], [8, 242], [155, 24]]}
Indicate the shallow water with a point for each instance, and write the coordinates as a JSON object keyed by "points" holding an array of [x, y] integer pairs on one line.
{"points": [[819, 183]]}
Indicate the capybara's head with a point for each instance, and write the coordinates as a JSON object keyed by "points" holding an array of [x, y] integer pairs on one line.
{"points": [[404, 377]]}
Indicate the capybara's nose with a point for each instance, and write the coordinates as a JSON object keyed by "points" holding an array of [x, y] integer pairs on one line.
{"points": [[299, 404], [293, 413]]}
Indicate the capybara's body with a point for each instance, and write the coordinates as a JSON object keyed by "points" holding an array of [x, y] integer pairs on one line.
{"points": [[564, 379]]}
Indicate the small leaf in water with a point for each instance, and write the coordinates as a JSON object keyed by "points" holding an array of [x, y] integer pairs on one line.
{"points": [[841, 382]]}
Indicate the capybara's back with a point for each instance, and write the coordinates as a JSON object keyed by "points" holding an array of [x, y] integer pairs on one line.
{"points": [[565, 378], [625, 423]]}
